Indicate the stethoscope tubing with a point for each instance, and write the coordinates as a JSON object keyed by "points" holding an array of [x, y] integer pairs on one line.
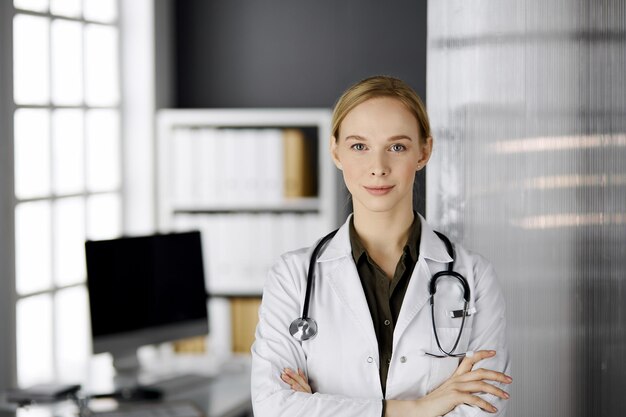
{"points": [[311, 272], [310, 325], [458, 338]]}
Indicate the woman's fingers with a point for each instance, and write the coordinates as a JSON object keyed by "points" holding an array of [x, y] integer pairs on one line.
{"points": [[480, 386], [485, 374], [291, 382], [304, 381], [479, 402], [469, 361], [297, 381], [301, 373]]}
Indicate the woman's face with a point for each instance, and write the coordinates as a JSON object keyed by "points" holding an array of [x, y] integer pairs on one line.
{"points": [[379, 150]]}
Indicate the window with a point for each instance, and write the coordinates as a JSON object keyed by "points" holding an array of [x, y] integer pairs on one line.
{"points": [[67, 158]]}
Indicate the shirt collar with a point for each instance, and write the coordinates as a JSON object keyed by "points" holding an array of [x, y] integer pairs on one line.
{"points": [[411, 246]]}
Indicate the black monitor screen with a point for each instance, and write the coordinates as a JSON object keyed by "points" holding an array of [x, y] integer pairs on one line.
{"points": [[140, 283]]}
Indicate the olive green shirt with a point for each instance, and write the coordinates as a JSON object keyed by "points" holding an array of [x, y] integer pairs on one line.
{"points": [[384, 296]]}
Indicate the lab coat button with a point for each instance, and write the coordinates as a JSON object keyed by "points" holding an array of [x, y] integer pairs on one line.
{"points": [[403, 359], [387, 322], [370, 359]]}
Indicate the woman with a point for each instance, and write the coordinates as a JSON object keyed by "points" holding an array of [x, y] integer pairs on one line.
{"points": [[370, 355]]}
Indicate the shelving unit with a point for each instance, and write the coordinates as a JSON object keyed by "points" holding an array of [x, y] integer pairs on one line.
{"points": [[213, 171]]}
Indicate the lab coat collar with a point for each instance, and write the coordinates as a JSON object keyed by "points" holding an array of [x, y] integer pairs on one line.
{"points": [[339, 246], [431, 246]]}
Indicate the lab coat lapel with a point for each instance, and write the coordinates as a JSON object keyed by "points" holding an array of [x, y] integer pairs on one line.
{"points": [[417, 294], [343, 277]]}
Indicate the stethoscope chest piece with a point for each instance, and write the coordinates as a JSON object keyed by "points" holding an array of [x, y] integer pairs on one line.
{"points": [[303, 329]]}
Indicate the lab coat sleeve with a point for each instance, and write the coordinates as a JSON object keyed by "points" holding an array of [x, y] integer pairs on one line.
{"points": [[488, 333], [275, 349]]}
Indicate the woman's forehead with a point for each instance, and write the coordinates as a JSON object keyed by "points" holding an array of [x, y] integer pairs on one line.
{"points": [[385, 116]]}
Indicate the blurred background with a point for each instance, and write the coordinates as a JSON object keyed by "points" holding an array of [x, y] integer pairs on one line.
{"points": [[128, 118]]}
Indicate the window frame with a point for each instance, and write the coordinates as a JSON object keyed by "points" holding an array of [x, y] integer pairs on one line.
{"points": [[9, 297], [8, 369]]}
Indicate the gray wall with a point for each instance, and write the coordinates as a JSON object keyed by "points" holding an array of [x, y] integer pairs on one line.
{"points": [[528, 104], [285, 53]]}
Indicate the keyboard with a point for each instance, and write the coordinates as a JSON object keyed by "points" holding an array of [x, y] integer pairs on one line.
{"points": [[182, 382]]}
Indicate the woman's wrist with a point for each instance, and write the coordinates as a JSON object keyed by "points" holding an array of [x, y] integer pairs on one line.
{"points": [[404, 408]]}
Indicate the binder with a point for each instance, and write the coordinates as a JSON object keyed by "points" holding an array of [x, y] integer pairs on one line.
{"points": [[298, 177]]}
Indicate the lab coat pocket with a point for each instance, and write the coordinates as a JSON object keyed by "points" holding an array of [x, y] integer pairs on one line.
{"points": [[443, 368]]}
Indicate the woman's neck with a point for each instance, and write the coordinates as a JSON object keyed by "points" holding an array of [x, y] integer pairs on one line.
{"points": [[383, 232]]}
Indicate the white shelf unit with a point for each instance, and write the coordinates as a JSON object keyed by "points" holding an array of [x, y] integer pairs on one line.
{"points": [[243, 234]]}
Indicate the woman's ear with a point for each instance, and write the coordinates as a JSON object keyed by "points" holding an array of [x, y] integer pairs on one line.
{"points": [[427, 150], [333, 152]]}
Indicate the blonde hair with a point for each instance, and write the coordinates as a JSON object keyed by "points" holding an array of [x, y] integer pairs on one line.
{"points": [[380, 86]]}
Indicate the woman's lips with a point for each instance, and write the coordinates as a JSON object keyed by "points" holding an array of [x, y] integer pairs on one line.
{"points": [[381, 190]]}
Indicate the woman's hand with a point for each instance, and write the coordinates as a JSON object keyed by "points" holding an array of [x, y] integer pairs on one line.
{"points": [[460, 388], [297, 381]]}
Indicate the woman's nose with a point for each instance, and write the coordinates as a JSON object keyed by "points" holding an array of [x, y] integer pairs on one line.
{"points": [[379, 166]]}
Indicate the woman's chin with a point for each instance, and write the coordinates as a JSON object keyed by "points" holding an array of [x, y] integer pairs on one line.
{"points": [[378, 205]]}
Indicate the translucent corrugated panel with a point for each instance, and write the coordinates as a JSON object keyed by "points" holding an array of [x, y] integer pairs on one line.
{"points": [[528, 105]]}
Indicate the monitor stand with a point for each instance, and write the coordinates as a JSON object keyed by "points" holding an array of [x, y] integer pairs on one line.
{"points": [[130, 376], [127, 369], [126, 381]]}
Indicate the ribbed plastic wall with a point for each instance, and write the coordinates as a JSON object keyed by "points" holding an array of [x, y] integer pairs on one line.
{"points": [[528, 105]]}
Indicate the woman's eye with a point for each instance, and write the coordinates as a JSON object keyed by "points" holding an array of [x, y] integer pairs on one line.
{"points": [[396, 147], [358, 147]]}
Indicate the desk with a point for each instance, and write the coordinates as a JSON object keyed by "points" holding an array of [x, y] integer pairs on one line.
{"points": [[226, 395]]}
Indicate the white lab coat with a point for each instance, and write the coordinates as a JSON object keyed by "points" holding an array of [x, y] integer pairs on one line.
{"points": [[342, 360]]}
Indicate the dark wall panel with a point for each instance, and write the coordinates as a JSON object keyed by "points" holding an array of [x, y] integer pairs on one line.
{"points": [[282, 53]]}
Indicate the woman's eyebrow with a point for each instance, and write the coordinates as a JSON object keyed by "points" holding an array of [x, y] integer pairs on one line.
{"points": [[356, 137], [399, 137], [391, 139]]}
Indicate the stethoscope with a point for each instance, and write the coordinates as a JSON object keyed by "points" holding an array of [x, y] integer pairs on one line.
{"points": [[305, 328]]}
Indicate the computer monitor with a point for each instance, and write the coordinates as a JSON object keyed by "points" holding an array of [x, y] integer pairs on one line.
{"points": [[145, 290]]}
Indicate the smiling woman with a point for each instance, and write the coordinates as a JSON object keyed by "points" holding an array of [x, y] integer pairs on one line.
{"points": [[379, 148], [367, 350]]}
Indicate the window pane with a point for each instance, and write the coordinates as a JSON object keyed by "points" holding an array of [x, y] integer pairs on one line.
{"points": [[34, 340], [101, 63], [73, 338], [68, 151], [32, 247], [33, 5], [67, 62], [103, 150], [69, 8], [32, 153], [104, 220], [31, 59], [101, 10], [69, 241]]}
